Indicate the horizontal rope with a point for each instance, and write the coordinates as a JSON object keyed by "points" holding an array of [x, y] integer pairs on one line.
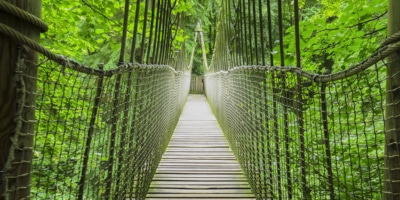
{"points": [[391, 39], [380, 54], [18, 37], [64, 61], [18, 12]]}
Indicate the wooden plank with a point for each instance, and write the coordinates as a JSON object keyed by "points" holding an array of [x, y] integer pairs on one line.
{"points": [[192, 161], [204, 154], [200, 179], [201, 198], [198, 162], [237, 175], [198, 156], [199, 186], [194, 195], [196, 139], [198, 149], [198, 171], [200, 167], [199, 191], [199, 144], [212, 183]]}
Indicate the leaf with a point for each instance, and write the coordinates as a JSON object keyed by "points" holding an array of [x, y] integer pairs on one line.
{"points": [[99, 31], [101, 40]]}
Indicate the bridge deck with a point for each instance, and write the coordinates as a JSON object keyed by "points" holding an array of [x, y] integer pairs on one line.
{"points": [[198, 163]]}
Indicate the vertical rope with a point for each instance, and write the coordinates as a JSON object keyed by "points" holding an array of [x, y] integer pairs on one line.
{"points": [[305, 189], [324, 114], [135, 32], [267, 149], [144, 31], [255, 36], [133, 137], [262, 39], [121, 191], [156, 46], [124, 31], [270, 39], [164, 29], [241, 50], [285, 108], [90, 135], [235, 37], [150, 42], [250, 28], [245, 37], [113, 138]]}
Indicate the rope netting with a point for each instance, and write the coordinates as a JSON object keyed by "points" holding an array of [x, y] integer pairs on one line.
{"points": [[99, 134], [318, 130], [298, 133]]}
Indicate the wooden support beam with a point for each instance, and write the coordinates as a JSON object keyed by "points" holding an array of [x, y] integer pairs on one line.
{"points": [[16, 176], [392, 125]]}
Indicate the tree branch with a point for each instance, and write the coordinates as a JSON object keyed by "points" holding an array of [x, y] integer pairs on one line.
{"points": [[98, 12], [364, 22]]}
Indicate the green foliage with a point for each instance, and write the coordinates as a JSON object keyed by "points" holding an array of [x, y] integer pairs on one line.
{"points": [[338, 35], [82, 30]]}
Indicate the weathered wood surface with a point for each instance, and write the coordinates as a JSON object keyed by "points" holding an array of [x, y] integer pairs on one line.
{"points": [[17, 149], [392, 112], [198, 163]]}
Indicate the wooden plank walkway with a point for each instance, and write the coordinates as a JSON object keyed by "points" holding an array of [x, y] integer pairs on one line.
{"points": [[198, 163]]}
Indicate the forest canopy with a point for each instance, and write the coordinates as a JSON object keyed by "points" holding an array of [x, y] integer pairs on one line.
{"points": [[335, 33]]}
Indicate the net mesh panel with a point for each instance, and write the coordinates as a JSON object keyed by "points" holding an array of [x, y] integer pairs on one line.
{"points": [[107, 133], [342, 151], [296, 134]]}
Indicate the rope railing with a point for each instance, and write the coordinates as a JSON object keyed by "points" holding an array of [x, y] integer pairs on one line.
{"points": [[299, 134], [341, 149], [32, 19], [98, 134], [102, 136]]}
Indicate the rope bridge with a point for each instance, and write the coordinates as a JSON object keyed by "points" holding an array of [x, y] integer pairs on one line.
{"points": [[86, 132]]}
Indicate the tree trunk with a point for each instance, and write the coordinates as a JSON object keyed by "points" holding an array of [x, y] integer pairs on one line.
{"points": [[15, 170], [392, 126]]}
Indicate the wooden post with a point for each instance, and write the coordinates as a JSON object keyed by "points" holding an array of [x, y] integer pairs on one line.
{"points": [[17, 176], [392, 126], [203, 47]]}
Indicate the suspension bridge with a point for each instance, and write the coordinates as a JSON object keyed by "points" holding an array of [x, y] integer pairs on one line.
{"points": [[262, 130], [198, 162]]}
